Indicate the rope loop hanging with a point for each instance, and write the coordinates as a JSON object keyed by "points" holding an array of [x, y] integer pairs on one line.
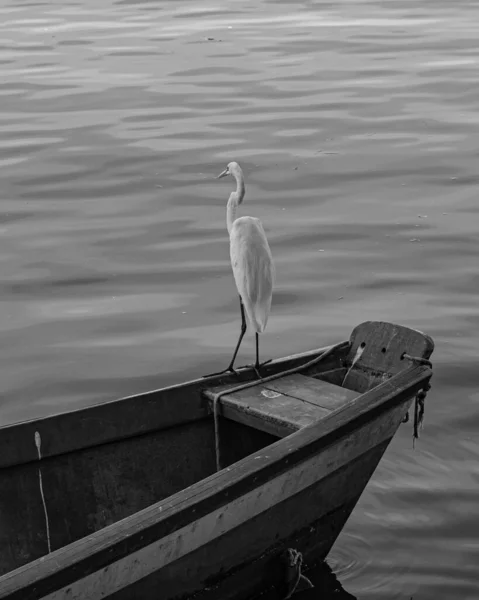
{"points": [[419, 411], [418, 360], [420, 398]]}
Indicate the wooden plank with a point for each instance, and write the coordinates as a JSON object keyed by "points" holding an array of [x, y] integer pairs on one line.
{"points": [[255, 422], [239, 441], [99, 424], [377, 349], [268, 410], [121, 540], [335, 376], [315, 391], [127, 417]]}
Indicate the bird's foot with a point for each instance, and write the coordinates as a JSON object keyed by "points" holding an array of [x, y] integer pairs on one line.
{"points": [[257, 367], [227, 370]]}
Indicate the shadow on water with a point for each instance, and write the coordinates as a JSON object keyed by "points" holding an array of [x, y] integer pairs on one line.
{"points": [[326, 586]]}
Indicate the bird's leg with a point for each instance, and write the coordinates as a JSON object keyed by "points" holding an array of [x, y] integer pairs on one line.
{"points": [[240, 339], [257, 364], [230, 367]]}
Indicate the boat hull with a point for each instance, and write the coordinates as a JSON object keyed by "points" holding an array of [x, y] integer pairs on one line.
{"points": [[180, 529], [223, 569], [234, 551]]}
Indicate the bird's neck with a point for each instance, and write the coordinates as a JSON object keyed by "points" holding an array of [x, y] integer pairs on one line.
{"points": [[231, 210], [234, 199], [240, 187]]}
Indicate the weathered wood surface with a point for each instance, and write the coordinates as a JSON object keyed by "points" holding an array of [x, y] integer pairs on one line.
{"points": [[378, 349], [90, 489], [126, 552], [126, 417], [315, 391], [267, 410], [283, 405], [335, 376]]}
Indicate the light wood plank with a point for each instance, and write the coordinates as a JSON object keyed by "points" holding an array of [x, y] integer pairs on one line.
{"points": [[315, 391]]}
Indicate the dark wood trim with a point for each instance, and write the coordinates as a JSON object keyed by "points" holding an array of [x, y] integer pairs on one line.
{"points": [[118, 540]]}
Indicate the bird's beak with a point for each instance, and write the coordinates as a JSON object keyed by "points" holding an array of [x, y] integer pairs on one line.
{"points": [[223, 174]]}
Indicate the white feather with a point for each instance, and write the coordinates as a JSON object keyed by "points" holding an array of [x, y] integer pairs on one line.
{"points": [[253, 269]]}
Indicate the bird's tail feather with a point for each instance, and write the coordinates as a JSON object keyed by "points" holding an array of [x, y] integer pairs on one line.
{"points": [[259, 317]]}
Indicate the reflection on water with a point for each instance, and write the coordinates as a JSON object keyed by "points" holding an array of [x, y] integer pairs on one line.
{"points": [[356, 124]]}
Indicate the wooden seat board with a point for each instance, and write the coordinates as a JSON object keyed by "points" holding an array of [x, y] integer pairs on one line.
{"points": [[268, 409], [283, 405], [315, 391]]}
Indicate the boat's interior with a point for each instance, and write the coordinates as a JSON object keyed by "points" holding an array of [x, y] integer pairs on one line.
{"points": [[103, 464]]}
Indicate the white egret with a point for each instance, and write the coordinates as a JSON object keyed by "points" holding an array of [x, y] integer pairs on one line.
{"points": [[252, 264]]}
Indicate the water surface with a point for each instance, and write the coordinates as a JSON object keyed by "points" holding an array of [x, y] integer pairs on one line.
{"points": [[357, 126]]}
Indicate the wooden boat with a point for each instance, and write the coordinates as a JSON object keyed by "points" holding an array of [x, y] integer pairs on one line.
{"points": [[123, 500]]}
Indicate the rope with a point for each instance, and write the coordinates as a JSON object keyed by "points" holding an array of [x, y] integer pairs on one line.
{"points": [[294, 563], [419, 412], [357, 356], [249, 384], [419, 400], [417, 359]]}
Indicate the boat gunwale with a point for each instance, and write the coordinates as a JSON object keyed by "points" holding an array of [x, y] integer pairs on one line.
{"points": [[18, 439], [106, 546]]}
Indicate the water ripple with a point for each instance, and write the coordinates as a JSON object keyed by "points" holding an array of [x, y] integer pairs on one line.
{"points": [[357, 126]]}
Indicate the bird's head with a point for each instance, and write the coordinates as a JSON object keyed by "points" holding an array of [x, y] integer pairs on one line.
{"points": [[232, 168]]}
